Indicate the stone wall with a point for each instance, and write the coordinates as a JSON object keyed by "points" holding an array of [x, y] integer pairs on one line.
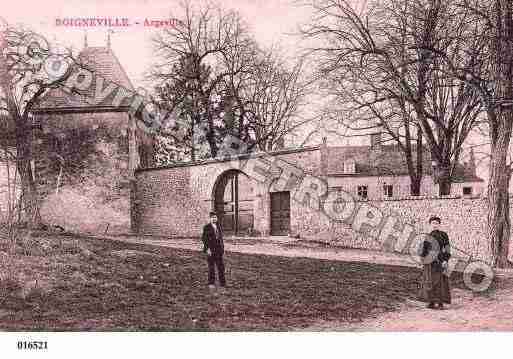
{"points": [[94, 192], [464, 219], [175, 201], [165, 204]]}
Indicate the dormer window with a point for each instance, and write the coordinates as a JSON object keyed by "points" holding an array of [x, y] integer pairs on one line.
{"points": [[350, 167]]}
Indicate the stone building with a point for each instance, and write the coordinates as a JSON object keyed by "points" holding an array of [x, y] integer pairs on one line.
{"points": [[257, 193], [379, 171], [105, 105], [67, 108]]}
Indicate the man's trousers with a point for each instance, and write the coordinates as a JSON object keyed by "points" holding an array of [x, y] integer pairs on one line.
{"points": [[216, 260]]}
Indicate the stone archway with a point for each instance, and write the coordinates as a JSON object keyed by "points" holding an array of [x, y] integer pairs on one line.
{"points": [[233, 202]]}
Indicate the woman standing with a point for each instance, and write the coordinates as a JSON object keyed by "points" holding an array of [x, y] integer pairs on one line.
{"points": [[435, 256]]}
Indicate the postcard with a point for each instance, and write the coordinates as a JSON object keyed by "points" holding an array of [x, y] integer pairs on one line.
{"points": [[174, 170]]}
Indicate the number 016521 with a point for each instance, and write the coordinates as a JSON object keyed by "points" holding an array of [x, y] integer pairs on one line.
{"points": [[32, 345]]}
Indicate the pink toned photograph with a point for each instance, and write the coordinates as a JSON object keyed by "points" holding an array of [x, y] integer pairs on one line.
{"points": [[255, 166]]}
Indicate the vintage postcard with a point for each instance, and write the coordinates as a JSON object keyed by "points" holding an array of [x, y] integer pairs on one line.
{"points": [[254, 166]]}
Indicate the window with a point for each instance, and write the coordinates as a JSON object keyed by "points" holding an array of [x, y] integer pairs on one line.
{"points": [[388, 190], [467, 191], [362, 192]]}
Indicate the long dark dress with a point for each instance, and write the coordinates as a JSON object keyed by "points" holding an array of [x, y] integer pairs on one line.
{"points": [[434, 286]]}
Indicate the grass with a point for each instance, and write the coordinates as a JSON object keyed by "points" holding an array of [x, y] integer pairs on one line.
{"points": [[84, 284]]}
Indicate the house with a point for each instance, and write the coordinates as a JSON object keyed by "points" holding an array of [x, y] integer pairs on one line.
{"points": [[100, 100], [64, 108], [176, 199], [378, 171]]}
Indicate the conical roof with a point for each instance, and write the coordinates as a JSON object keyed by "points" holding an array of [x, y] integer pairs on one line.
{"points": [[102, 62]]}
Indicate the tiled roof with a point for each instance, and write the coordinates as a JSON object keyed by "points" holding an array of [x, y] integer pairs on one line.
{"points": [[102, 62], [384, 160]]}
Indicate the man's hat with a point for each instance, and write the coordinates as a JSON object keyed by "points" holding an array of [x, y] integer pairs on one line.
{"points": [[435, 218]]}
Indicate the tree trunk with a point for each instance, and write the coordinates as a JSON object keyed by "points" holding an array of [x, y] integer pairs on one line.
{"points": [[29, 193], [500, 135], [498, 196], [193, 140], [443, 178], [211, 139], [498, 207], [415, 183], [444, 187]]}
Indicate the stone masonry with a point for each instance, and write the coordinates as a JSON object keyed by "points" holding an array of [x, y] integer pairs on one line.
{"points": [[175, 201]]}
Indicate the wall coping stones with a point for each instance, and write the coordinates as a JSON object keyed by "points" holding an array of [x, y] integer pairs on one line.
{"points": [[231, 158], [418, 198]]}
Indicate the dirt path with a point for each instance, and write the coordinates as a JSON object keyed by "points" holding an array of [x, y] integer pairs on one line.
{"points": [[282, 248], [467, 313]]}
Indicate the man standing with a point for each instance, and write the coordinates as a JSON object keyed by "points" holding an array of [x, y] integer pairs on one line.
{"points": [[435, 256], [213, 247]]}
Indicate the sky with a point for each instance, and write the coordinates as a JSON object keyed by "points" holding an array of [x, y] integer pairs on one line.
{"points": [[271, 22]]}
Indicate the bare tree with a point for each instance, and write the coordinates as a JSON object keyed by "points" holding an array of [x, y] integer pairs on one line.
{"points": [[496, 90], [375, 62], [500, 121], [23, 82], [194, 57], [270, 103], [214, 76], [9, 190], [490, 76]]}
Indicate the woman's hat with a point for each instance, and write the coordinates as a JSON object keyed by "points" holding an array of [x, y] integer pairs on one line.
{"points": [[435, 218]]}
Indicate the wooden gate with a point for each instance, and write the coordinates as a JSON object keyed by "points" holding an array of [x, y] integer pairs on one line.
{"points": [[280, 213], [234, 203]]}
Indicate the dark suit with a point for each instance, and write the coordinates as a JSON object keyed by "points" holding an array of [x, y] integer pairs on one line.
{"points": [[213, 240]]}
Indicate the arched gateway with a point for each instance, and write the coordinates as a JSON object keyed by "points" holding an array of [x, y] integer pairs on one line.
{"points": [[233, 201]]}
